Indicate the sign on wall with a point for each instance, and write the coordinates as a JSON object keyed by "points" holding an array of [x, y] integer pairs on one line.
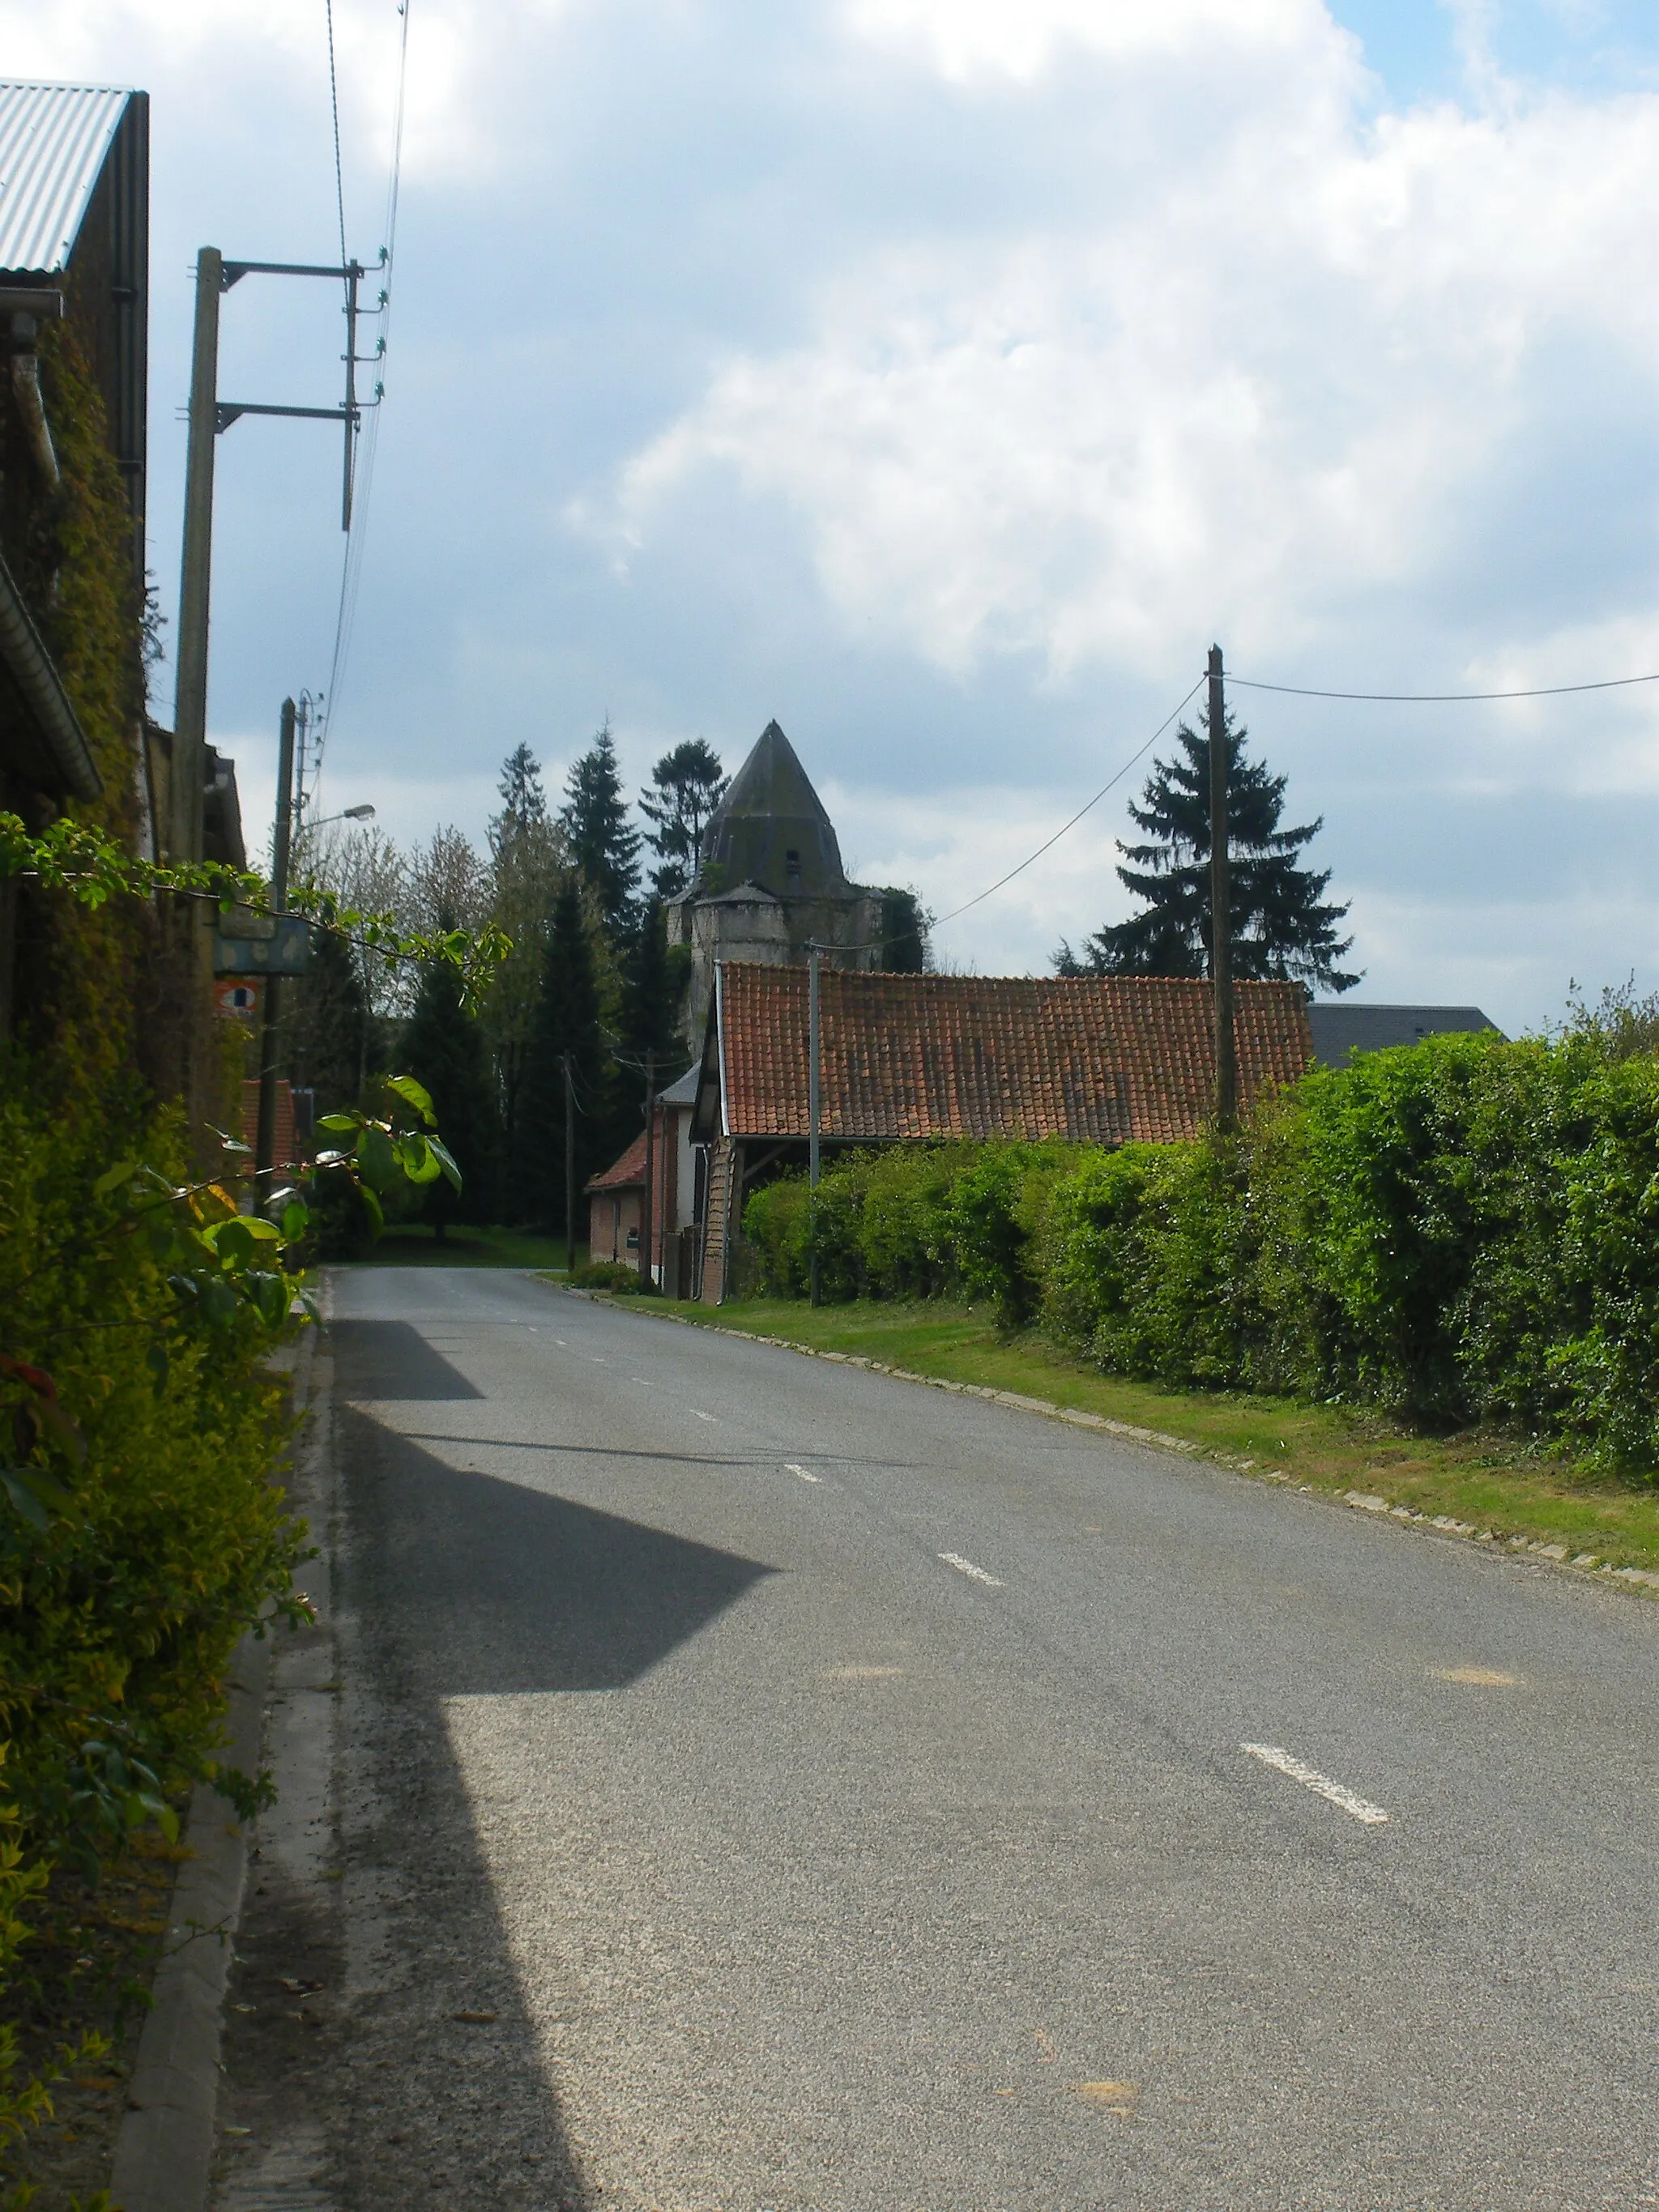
{"points": [[283, 950]]}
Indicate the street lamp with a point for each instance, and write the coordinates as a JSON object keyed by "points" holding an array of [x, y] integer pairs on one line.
{"points": [[351, 814]]}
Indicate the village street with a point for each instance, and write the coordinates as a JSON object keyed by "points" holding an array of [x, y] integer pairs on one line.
{"points": [[746, 1782]]}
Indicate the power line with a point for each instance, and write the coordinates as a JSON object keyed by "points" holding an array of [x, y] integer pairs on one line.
{"points": [[351, 562], [1440, 698], [334, 103], [1081, 812]]}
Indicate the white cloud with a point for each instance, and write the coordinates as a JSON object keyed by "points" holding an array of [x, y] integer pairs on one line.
{"points": [[941, 375], [1262, 385], [962, 38]]}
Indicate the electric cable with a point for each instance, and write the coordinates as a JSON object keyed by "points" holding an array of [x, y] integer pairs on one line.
{"points": [[1053, 841], [334, 103], [1439, 698], [351, 562]]}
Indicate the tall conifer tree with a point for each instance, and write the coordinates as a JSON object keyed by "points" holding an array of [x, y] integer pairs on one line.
{"points": [[603, 843], [686, 787], [567, 1020], [1282, 927], [443, 1047], [529, 866]]}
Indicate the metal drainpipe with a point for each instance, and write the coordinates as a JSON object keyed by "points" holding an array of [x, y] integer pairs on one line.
{"points": [[26, 390]]}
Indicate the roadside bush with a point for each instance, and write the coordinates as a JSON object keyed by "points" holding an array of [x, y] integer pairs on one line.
{"points": [[1459, 1231], [613, 1275], [141, 1532], [776, 1226]]}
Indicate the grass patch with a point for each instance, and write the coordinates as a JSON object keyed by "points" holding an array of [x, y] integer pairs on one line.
{"points": [[414, 1244], [1488, 1481]]}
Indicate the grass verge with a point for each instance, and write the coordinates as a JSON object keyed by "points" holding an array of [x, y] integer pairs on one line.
{"points": [[413, 1244], [1487, 1482]]}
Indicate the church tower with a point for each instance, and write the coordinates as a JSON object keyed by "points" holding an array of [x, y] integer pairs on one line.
{"points": [[770, 880]]}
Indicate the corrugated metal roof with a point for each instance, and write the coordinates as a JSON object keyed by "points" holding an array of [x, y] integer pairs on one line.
{"points": [[54, 138]]}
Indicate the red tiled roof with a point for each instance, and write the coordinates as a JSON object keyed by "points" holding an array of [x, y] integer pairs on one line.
{"points": [[626, 1174], [1098, 1059]]}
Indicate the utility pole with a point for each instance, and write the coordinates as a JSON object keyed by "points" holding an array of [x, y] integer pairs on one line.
{"points": [[1221, 949], [648, 1211], [265, 1143], [813, 1103], [208, 416], [190, 707], [569, 1168]]}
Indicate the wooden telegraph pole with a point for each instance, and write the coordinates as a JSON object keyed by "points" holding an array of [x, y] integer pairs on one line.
{"points": [[569, 1168], [1221, 950], [190, 708], [813, 1108], [648, 1211], [265, 1145]]}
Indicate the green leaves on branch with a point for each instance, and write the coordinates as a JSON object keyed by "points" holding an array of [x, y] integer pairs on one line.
{"points": [[389, 1149], [230, 1271], [95, 867]]}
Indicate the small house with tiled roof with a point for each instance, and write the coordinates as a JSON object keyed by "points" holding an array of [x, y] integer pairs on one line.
{"points": [[918, 1059], [615, 1199]]}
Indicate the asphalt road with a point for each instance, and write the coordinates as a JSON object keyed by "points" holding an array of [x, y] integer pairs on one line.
{"points": [[827, 1792]]}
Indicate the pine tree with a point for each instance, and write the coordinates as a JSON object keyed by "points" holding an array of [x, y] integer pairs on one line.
{"points": [[687, 785], [524, 803], [328, 1033], [443, 1047], [567, 1020], [1281, 928], [603, 843], [653, 990], [529, 867]]}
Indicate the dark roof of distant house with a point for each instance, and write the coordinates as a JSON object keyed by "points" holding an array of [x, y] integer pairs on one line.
{"points": [[1098, 1059], [682, 1092], [1339, 1029], [770, 830], [629, 1172], [626, 1174]]}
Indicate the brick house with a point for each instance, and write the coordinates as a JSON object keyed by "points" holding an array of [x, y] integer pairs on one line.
{"points": [[914, 1059], [616, 1199]]}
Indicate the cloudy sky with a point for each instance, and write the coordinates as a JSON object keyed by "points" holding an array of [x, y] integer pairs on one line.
{"points": [[941, 376]]}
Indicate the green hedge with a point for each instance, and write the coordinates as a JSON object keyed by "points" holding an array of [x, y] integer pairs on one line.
{"points": [[119, 1608], [1462, 1230]]}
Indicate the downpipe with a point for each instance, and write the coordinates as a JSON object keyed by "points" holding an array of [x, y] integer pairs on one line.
{"points": [[26, 390]]}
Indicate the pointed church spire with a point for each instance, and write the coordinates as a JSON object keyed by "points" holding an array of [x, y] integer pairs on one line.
{"points": [[771, 829]]}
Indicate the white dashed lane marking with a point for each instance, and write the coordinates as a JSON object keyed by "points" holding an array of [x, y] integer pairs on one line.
{"points": [[640, 1380], [967, 1567], [791, 1467], [1334, 1793]]}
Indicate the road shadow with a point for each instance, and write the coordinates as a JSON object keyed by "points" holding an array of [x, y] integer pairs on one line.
{"points": [[520, 1591], [438, 2087], [392, 1361]]}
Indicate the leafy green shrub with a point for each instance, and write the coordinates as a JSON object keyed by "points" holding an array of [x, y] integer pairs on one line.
{"points": [[1457, 1230], [613, 1275], [776, 1224], [144, 1534]]}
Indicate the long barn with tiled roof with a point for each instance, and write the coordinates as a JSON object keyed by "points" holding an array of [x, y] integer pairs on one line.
{"points": [[1096, 1060]]}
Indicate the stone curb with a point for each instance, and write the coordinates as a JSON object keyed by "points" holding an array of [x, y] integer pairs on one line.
{"points": [[164, 2153], [1441, 1524]]}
